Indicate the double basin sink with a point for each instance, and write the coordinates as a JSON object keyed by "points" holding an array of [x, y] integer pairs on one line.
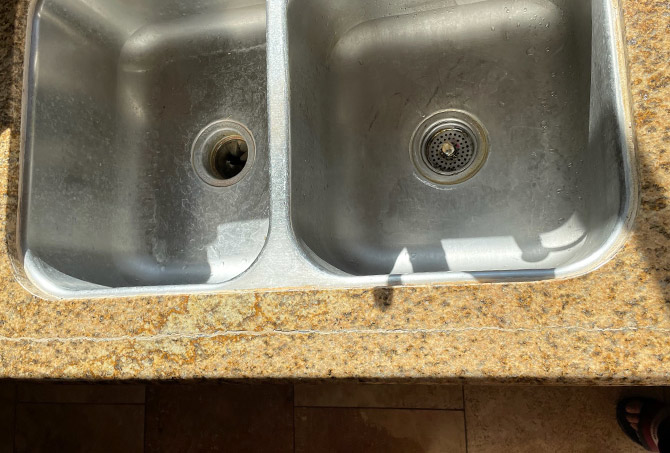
{"points": [[193, 146]]}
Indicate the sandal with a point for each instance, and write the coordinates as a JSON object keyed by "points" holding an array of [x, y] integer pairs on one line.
{"points": [[652, 412]]}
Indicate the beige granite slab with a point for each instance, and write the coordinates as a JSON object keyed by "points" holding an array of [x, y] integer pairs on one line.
{"points": [[611, 326], [525, 419]]}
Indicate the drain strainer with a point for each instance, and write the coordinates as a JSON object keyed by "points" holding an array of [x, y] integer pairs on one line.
{"points": [[449, 147], [450, 150]]}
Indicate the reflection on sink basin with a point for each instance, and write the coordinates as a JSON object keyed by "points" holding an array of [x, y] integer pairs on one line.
{"points": [[167, 149], [553, 186]]}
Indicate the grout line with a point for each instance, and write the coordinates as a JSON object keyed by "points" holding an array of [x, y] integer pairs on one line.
{"points": [[14, 423], [381, 408], [300, 332], [76, 403], [293, 415], [465, 419], [144, 428]]}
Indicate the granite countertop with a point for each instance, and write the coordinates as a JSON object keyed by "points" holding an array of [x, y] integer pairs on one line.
{"points": [[611, 326]]}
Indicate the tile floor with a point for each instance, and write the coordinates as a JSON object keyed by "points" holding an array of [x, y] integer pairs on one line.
{"points": [[334, 417]]}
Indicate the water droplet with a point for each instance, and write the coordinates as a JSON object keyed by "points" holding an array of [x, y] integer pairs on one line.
{"points": [[493, 28], [530, 51]]}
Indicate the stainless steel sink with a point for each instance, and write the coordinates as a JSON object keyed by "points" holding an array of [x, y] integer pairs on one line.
{"points": [[168, 149]]}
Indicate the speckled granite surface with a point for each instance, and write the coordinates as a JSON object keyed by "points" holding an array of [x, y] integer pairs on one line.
{"points": [[611, 326]]}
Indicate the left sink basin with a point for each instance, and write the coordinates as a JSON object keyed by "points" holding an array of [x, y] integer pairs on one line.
{"points": [[144, 143]]}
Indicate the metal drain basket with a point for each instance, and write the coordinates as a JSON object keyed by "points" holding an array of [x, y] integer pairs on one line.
{"points": [[449, 147]]}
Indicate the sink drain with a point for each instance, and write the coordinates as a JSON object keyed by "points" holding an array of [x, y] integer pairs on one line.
{"points": [[449, 147], [223, 153], [229, 157]]}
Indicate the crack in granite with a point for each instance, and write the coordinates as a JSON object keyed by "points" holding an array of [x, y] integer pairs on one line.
{"points": [[252, 333]]}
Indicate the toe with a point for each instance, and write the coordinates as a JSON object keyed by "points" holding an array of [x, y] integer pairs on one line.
{"points": [[634, 407], [632, 418]]}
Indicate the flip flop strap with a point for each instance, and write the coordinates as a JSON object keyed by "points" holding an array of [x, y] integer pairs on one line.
{"points": [[648, 428]]}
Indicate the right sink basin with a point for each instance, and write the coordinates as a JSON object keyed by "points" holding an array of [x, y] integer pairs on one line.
{"points": [[476, 136]]}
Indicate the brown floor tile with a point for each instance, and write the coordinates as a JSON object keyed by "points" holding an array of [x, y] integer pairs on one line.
{"points": [[7, 397], [79, 428], [7, 390], [405, 396], [221, 417], [350, 430], [56, 392], [555, 419]]}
